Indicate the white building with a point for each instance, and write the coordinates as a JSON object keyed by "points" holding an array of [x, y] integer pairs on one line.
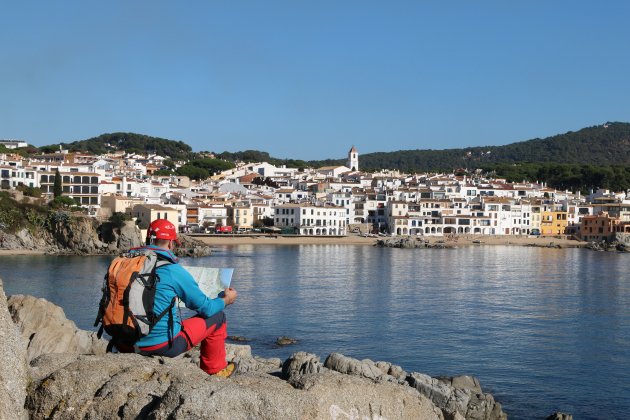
{"points": [[308, 219], [13, 144], [11, 177], [344, 200], [289, 195]]}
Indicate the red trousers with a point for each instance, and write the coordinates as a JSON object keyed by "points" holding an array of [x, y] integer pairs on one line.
{"points": [[210, 332]]}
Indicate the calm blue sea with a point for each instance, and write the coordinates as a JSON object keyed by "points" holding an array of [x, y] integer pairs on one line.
{"points": [[543, 329]]}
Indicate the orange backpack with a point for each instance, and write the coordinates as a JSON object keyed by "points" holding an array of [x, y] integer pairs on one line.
{"points": [[126, 308]]}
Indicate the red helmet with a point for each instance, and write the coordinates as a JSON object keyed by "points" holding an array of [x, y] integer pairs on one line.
{"points": [[161, 229]]}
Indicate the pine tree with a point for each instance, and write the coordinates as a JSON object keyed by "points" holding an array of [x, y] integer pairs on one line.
{"points": [[57, 185]]}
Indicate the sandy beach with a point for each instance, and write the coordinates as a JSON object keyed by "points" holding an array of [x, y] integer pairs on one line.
{"points": [[463, 240], [9, 252]]}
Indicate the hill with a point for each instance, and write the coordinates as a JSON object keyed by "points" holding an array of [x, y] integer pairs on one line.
{"points": [[607, 144], [130, 142], [602, 145]]}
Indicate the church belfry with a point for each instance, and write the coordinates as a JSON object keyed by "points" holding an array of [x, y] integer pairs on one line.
{"points": [[353, 159]]}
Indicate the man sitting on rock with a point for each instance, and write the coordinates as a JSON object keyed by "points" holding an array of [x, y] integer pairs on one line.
{"points": [[208, 327]]}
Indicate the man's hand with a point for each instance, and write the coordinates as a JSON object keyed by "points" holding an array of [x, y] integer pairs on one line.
{"points": [[229, 296]]}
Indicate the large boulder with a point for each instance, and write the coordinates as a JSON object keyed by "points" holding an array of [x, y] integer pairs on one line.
{"points": [[191, 247], [47, 330], [129, 236], [379, 371], [130, 386], [459, 396], [13, 369]]}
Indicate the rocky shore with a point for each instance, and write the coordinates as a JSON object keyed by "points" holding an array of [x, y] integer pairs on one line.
{"points": [[53, 370], [619, 243], [80, 235], [410, 242]]}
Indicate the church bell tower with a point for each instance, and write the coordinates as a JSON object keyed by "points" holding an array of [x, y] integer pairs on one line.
{"points": [[353, 159]]}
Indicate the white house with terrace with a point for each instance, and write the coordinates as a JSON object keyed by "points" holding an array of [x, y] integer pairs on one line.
{"points": [[309, 219]]}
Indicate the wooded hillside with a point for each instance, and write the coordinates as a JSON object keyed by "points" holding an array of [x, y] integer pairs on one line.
{"points": [[130, 142], [607, 144]]}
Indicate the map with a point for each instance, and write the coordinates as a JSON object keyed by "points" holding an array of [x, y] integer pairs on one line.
{"points": [[212, 281]]}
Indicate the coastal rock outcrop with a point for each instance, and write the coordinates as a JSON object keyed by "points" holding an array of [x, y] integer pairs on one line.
{"points": [[191, 247], [61, 382], [379, 371], [47, 330], [79, 235], [455, 396], [620, 242], [82, 235], [458, 396], [131, 386], [13, 369], [410, 242], [560, 416]]}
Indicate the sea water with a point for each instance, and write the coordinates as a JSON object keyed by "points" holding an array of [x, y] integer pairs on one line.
{"points": [[542, 329]]}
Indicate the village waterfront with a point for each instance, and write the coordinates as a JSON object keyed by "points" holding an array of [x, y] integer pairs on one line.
{"points": [[544, 329]]}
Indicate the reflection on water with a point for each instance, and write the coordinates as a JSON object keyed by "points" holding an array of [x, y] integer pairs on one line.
{"points": [[543, 329]]}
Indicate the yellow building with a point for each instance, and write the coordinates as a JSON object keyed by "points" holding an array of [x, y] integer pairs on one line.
{"points": [[553, 223], [241, 216], [146, 213], [112, 203]]}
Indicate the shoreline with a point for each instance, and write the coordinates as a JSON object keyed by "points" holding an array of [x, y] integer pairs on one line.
{"points": [[445, 242], [10, 252], [459, 241]]}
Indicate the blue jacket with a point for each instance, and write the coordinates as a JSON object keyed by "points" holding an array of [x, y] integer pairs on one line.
{"points": [[176, 281]]}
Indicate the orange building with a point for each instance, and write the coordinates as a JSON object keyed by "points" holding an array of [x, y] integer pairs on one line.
{"points": [[600, 227], [553, 223]]}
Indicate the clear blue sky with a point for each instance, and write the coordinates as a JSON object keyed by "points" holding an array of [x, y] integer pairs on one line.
{"points": [[308, 80]]}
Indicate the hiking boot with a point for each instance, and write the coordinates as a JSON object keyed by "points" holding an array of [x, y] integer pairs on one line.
{"points": [[227, 371]]}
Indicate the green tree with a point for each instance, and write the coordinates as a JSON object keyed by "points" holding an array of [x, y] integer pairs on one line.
{"points": [[192, 172], [61, 201], [29, 191], [57, 185], [118, 219], [212, 165], [162, 172], [169, 163]]}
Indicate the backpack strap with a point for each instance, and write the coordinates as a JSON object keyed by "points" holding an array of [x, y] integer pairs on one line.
{"points": [[102, 304], [170, 321], [163, 260]]}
